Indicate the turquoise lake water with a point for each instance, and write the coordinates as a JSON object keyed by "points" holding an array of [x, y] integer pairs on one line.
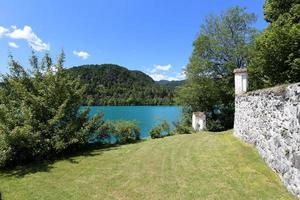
{"points": [[146, 116]]}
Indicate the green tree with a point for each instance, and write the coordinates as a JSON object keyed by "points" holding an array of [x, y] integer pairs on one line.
{"points": [[39, 112], [276, 57], [273, 9], [223, 44]]}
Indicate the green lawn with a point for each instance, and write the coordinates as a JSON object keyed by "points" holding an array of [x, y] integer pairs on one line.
{"points": [[197, 166]]}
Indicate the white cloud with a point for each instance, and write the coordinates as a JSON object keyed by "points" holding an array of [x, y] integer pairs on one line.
{"points": [[13, 45], [3, 31], [178, 77], [182, 76], [27, 34], [82, 54], [157, 76], [161, 68]]}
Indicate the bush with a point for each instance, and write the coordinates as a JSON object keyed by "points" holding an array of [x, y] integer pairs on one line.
{"points": [[215, 125], [127, 131], [161, 130], [104, 134], [39, 112], [182, 129], [165, 127], [156, 132], [5, 150], [117, 132]]}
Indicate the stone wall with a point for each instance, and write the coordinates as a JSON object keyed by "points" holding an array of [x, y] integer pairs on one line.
{"points": [[270, 119]]}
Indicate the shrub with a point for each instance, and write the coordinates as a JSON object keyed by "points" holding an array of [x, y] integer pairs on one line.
{"points": [[127, 131], [104, 134], [39, 112], [161, 130], [117, 132], [5, 150], [215, 125], [165, 127], [156, 132], [182, 129]]}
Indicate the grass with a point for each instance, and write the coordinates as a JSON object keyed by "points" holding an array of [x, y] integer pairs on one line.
{"points": [[197, 166]]}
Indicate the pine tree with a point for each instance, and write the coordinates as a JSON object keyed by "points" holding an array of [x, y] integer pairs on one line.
{"points": [[40, 114]]}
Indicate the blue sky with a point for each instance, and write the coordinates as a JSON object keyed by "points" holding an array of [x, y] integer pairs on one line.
{"points": [[154, 36]]}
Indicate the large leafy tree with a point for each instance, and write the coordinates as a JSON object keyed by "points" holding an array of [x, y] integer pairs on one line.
{"points": [[39, 112], [276, 57], [223, 44], [273, 9]]}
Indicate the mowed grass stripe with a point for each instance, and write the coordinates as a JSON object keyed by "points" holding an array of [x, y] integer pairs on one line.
{"points": [[196, 166]]}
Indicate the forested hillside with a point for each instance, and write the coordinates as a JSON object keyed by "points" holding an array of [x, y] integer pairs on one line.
{"points": [[171, 83], [110, 84]]}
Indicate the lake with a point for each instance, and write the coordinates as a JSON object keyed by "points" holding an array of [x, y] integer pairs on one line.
{"points": [[146, 116]]}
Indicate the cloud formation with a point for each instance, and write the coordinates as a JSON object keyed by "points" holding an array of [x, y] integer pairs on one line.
{"points": [[13, 45], [178, 77], [24, 34], [159, 72], [27, 34], [3, 31], [161, 68], [159, 77], [82, 54]]}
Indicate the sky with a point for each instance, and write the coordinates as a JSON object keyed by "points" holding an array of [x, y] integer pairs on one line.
{"points": [[153, 36]]}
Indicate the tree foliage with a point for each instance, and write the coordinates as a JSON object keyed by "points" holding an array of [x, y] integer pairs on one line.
{"points": [[273, 9], [39, 114], [276, 57], [110, 84], [223, 44]]}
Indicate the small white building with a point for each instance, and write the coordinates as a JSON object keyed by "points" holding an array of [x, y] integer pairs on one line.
{"points": [[240, 80], [199, 121]]}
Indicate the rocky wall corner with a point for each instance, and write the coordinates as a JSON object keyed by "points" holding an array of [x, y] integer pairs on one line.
{"points": [[270, 119]]}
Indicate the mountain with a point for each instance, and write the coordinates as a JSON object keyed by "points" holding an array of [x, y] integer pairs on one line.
{"points": [[170, 83], [110, 84]]}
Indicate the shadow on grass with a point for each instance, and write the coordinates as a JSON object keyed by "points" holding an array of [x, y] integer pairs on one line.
{"points": [[46, 165]]}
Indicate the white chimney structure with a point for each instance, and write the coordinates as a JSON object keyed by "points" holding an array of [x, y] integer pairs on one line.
{"points": [[199, 121], [240, 80]]}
